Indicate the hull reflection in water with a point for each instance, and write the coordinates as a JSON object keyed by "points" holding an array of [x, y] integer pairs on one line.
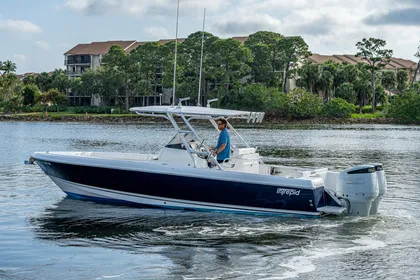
{"points": [[204, 244], [89, 220]]}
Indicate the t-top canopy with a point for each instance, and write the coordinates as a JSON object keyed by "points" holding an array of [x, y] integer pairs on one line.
{"points": [[199, 111]]}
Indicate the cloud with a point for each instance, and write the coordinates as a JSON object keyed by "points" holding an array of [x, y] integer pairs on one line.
{"points": [[277, 5], [412, 3], [408, 16], [244, 23], [19, 57], [139, 7], [42, 44], [19, 26], [157, 31], [77, 5], [321, 26]]}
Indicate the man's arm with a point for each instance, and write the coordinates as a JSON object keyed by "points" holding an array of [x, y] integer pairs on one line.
{"points": [[221, 148]]}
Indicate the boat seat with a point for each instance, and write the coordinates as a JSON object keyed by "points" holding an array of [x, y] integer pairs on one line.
{"points": [[228, 164], [245, 151]]}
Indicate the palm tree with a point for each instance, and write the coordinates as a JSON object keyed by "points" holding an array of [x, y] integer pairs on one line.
{"points": [[325, 82], [59, 80], [362, 86], [309, 74], [8, 67]]}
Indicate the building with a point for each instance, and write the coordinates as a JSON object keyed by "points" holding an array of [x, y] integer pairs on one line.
{"points": [[395, 64], [89, 56]]}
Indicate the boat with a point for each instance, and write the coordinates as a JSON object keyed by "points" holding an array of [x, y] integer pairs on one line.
{"points": [[185, 175]]}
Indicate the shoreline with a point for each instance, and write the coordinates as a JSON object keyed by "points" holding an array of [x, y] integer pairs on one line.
{"points": [[269, 120]]}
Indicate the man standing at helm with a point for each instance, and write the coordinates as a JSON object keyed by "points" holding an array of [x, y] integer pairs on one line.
{"points": [[222, 150]]}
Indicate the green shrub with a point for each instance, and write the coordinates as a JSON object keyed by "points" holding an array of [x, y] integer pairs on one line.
{"points": [[13, 105], [119, 111], [26, 109], [257, 97], [54, 108], [303, 104], [416, 88], [368, 109], [254, 97], [338, 108], [346, 91], [39, 108], [278, 103], [405, 108], [29, 92]]}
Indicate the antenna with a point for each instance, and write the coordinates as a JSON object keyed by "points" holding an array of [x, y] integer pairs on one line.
{"points": [[181, 100], [176, 48], [201, 60], [210, 101]]}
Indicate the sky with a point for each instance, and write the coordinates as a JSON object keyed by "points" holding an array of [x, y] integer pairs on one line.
{"points": [[36, 34]]}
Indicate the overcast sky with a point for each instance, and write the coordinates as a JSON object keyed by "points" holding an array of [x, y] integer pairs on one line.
{"points": [[35, 34]]}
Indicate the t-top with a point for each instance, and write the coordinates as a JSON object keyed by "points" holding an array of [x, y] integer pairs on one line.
{"points": [[224, 137]]}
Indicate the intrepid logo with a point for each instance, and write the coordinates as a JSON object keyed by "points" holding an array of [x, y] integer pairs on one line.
{"points": [[288, 192]]}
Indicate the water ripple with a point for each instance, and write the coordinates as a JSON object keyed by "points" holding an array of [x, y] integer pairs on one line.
{"points": [[46, 236]]}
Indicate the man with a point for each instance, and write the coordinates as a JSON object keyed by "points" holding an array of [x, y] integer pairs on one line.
{"points": [[222, 150]]}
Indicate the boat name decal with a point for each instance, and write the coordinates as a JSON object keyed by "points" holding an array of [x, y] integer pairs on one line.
{"points": [[288, 192]]}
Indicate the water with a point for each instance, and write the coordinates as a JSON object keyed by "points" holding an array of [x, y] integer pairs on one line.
{"points": [[44, 235]]}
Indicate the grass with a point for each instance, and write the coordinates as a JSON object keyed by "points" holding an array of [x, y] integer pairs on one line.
{"points": [[368, 116], [71, 114]]}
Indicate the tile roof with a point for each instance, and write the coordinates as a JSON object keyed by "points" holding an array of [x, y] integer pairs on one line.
{"points": [[404, 62], [77, 49], [317, 58], [135, 45], [98, 47], [241, 39], [395, 63], [128, 46], [164, 41], [347, 59]]}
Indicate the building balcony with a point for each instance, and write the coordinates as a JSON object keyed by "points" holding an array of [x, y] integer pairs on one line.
{"points": [[77, 61]]}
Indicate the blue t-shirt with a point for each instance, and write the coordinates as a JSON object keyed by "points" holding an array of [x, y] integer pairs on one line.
{"points": [[224, 137]]}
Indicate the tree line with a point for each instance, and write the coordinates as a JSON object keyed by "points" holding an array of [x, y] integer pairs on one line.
{"points": [[41, 90], [228, 65], [245, 76]]}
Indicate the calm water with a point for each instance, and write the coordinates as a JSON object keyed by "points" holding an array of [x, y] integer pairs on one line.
{"points": [[44, 235]]}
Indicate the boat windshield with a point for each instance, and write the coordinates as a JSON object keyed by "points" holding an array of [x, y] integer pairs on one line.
{"points": [[177, 143]]}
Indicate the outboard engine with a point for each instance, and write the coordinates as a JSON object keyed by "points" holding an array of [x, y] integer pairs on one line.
{"points": [[359, 186], [380, 173]]}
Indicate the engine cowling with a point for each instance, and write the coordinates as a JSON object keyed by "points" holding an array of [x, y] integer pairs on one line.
{"points": [[359, 186], [380, 173]]}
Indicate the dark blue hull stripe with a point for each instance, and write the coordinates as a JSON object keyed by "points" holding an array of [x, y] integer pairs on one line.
{"points": [[198, 190]]}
